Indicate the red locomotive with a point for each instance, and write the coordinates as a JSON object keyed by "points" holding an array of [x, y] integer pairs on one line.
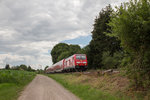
{"points": [[76, 62]]}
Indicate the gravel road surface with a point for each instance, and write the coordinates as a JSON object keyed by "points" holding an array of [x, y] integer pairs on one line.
{"points": [[45, 88]]}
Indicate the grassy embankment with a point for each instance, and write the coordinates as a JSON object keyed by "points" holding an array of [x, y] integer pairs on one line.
{"points": [[12, 82], [94, 87]]}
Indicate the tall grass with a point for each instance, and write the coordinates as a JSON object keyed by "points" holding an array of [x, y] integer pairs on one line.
{"points": [[12, 82], [14, 76], [84, 92]]}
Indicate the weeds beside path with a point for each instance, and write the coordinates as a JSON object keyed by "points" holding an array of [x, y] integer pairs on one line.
{"points": [[83, 91]]}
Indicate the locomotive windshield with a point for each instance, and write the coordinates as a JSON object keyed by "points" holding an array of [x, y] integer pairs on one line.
{"points": [[81, 57]]}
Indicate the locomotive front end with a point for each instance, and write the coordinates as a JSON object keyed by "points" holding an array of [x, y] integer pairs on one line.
{"points": [[81, 62]]}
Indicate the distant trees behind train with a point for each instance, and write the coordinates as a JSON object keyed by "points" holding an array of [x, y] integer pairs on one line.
{"points": [[19, 67], [63, 50]]}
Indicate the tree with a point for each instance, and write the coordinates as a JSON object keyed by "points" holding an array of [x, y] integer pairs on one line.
{"points": [[63, 50], [131, 24], [74, 49], [64, 55], [7, 66], [100, 41], [29, 68], [57, 50], [23, 67], [15, 67], [45, 68]]}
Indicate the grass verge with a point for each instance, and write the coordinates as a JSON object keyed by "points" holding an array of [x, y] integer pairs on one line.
{"points": [[12, 82], [84, 92]]}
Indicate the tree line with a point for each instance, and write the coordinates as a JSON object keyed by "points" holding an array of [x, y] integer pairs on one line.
{"points": [[19, 67], [120, 39]]}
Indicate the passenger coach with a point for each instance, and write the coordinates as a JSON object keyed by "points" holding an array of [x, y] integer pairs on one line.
{"points": [[76, 62]]}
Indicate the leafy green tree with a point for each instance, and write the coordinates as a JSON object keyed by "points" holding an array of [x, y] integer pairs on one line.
{"points": [[112, 61], [40, 71], [29, 68], [131, 24], [64, 55], [45, 68], [23, 67], [57, 50], [63, 50], [74, 49], [15, 67], [100, 41], [7, 66]]}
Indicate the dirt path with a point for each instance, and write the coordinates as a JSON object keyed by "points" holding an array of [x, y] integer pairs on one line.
{"points": [[44, 88]]}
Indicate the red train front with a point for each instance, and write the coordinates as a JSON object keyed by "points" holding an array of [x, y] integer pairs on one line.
{"points": [[80, 61], [76, 62]]}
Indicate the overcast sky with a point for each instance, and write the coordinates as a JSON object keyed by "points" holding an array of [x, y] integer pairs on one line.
{"points": [[30, 28]]}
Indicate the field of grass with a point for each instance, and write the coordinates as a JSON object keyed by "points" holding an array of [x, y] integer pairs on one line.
{"points": [[82, 90], [12, 82]]}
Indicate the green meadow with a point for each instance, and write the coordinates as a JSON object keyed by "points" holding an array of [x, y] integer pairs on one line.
{"points": [[12, 82]]}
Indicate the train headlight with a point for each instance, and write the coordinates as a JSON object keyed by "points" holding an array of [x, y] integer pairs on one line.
{"points": [[84, 62]]}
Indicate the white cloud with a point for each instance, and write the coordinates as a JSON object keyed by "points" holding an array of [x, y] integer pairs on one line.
{"points": [[35, 62], [30, 28]]}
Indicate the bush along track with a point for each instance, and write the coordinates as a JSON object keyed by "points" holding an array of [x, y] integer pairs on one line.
{"points": [[12, 82]]}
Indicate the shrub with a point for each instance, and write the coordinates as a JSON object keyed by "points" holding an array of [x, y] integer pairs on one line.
{"points": [[111, 61], [17, 77]]}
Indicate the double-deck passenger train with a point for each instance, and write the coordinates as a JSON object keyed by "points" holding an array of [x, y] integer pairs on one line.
{"points": [[76, 62]]}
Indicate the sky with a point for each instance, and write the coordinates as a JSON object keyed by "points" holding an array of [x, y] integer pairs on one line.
{"points": [[29, 29]]}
